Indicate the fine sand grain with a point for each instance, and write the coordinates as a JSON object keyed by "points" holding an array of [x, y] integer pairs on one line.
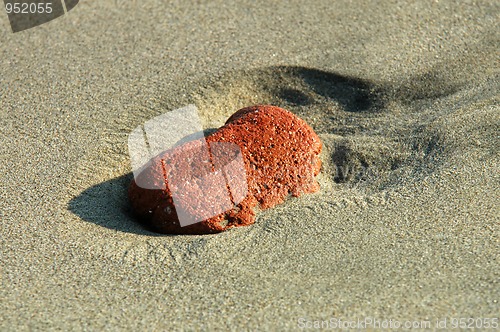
{"points": [[404, 95]]}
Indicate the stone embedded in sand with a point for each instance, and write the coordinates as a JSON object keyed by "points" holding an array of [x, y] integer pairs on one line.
{"points": [[280, 157]]}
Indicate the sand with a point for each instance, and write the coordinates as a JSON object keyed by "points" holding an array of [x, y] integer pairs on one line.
{"points": [[404, 95]]}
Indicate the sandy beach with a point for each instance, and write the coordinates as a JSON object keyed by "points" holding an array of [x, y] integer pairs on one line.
{"points": [[405, 228]]}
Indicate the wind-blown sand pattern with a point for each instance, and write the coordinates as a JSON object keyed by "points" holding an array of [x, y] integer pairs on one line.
{"points": [[403, 95]]}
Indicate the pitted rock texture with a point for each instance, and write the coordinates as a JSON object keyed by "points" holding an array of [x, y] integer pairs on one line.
{"points": [[280, 154]]}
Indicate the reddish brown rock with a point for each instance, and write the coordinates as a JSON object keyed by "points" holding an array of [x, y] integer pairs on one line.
{"points": [[280, 154]]}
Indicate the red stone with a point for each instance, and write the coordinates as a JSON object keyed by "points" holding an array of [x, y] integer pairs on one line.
{"points": [[280, 153]]}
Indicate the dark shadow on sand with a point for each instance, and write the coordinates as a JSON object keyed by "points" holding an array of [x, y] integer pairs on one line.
{"points": [[106, 205], [353, 94]]}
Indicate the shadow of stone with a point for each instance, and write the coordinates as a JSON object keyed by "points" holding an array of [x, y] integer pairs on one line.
{"points": [[106, 204]]}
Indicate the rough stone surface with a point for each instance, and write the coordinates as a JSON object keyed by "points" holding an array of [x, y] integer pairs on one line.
{"points": [[280, 153]]}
